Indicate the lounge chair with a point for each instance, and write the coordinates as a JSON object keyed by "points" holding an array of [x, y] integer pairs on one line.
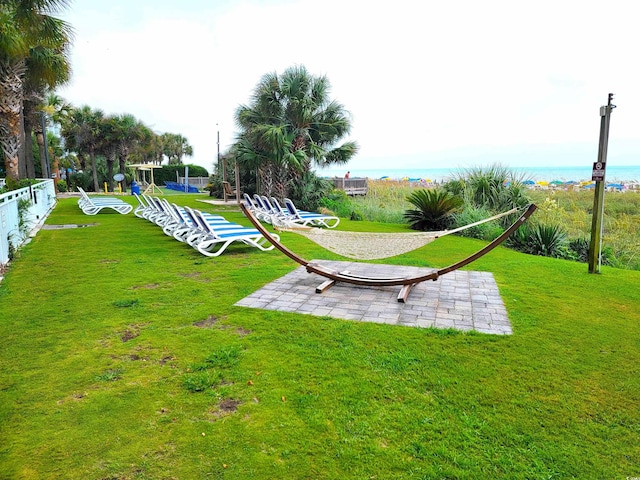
{"points": [[183, 227], [93, 205], [219, 237], [273, 212], [142, 208], [263, 211], [310, 219], [203, 225]]}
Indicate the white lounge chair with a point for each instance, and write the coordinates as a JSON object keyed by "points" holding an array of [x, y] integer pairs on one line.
{"points": [[310, 219], [93, 205], [202, 225], [218, 238]]}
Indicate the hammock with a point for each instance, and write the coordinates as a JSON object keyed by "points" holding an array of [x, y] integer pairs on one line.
{"points": [[371, 246], [407, 283]]}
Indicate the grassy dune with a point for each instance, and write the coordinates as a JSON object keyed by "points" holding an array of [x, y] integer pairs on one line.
{"points": [[386, 202]]}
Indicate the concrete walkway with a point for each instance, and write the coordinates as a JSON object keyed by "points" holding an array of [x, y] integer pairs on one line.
{"points": [[462, 300]]}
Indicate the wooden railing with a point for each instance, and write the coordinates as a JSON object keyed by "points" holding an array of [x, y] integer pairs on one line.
{"points": [[351, 186]]}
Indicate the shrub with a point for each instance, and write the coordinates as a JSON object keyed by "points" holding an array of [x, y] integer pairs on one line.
{"points": [[519, 239], [168, 172], [547, 240], [308, 191], [434, 209], [339, 202], [495, 187], [544, 240], [214, 187], [580, 249], [485, 231], [62, 185], [83, 180]]}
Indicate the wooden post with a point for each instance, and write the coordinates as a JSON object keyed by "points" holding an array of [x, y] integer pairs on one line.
{"points": [[237, 182], [598, 175]]}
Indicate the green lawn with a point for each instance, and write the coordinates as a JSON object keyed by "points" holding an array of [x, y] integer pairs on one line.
{"points": [[123, 357]]}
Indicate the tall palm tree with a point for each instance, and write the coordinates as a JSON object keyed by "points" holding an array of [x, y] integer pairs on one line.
{"points": [[27, 31], [175, 146], [53, 107], [124, 134], [109, 143], [289, 126], [83, 131], [154, 149]]}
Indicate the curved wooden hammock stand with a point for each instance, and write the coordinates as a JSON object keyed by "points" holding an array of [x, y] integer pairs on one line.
{"points": [[407, 283]]}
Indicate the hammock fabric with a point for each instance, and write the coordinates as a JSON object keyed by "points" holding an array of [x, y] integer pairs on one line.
{"points": [[371, 246], [407, 283]]}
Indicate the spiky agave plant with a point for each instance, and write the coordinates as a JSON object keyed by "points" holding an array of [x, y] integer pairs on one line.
{"points": [[434, 209]]}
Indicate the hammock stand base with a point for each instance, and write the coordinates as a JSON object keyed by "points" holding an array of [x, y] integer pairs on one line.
{"points": [[406, 283]]}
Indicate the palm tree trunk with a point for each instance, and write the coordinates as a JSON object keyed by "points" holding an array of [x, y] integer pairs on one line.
{"points": [[266, 179], [28, 145], [43, 156], [11, 75], [281, 183], [22, 166], [110, 161], [94, 170], [55, 171]]}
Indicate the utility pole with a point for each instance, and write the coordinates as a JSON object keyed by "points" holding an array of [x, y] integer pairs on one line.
{"points": [[598, 175], [224, 169], [47, 171]]}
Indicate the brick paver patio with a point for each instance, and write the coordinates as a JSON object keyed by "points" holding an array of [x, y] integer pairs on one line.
{"points": [[463, 300]]}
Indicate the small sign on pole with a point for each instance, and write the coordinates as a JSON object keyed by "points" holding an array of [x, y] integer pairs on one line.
{"points": [[597, 174]]}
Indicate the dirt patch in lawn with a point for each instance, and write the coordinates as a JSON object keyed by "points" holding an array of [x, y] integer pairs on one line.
{"points": [[208, 322]]}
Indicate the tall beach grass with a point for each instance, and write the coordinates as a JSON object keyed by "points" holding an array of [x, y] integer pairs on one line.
{"points": [[571, 210]]}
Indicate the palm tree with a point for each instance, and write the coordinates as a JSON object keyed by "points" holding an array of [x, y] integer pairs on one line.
{"points": [[28, 36], [36, 114], [109, 142], [126, 133], [152, 152], [175, 146], [291, 125], [83, 131]]}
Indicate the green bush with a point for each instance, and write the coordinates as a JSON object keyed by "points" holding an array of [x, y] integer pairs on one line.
{"points": [[485, 231], [434, 209], [339, 202], [62, 185], [495, 187], [580, 249], [82, 180], [308, 191], [544, 240], [168, 173], [214, 187]]}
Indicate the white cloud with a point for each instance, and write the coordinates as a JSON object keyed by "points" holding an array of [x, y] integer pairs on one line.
{"points": [[420, 78]]}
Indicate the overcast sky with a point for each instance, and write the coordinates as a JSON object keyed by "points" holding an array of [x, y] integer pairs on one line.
{"points": [[429, 84]]}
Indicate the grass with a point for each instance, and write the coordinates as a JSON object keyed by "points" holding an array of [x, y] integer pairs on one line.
{"points": [[123, 357], [572, 210], [386, 202]]}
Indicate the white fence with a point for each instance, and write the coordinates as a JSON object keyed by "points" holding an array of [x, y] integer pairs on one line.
{"points": [[41, 198], [198, 182]]}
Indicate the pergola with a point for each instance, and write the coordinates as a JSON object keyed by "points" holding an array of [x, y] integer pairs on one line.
{"points": [[146, 167]]}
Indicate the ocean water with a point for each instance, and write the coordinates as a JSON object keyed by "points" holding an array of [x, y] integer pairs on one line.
{"points": [[625, 173]]}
